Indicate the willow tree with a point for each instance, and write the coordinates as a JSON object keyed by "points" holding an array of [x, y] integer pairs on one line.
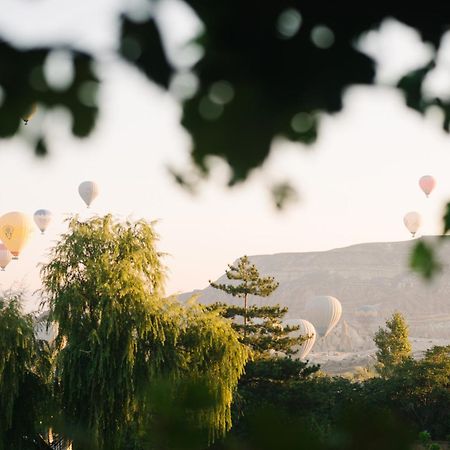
{"points": [[118, 337], [22, 384]]}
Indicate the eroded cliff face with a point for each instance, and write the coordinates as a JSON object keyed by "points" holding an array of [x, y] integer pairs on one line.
{"points": [[371, 281]]}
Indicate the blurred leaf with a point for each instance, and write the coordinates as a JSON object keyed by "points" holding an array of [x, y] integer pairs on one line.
{"points": [[273, 79], [446, 218], [411, 85], [23, 84], [423, 260], [41, 147], [142, 46]]}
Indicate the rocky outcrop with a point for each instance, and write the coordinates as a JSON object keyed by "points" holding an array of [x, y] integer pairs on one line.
{"points": [[371, 281]]}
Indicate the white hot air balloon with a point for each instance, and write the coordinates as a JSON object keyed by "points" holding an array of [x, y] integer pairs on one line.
{"points": [[412, 221], [427, 183], [88, 191], [42, 218], [45, 330], [5, 256], [324, 313], [305, 329]]}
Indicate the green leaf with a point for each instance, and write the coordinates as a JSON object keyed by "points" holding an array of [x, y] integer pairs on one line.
{"points": [[446, 218], [423, 260]]}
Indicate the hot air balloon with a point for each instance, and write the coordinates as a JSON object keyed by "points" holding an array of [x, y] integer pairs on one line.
{"points": [[427, 183], [42, 218], [412, 221], [45, 330], [324, 313], [29, 113], [5, 256], [88, 191], [305, 329], [15, 229]]}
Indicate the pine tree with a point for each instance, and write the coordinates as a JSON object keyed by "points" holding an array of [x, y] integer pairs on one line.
{"points": [[262, 329], [393, 345]]}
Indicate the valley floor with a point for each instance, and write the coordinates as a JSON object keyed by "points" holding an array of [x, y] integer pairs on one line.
{"points": [[341, 363]]}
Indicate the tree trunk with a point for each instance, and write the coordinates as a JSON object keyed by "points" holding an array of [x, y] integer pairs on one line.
{"points": [[245, 315]]}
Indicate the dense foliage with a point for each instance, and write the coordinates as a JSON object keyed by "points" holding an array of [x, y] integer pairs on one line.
{"points": [[23, 376], [393, 344], [118, 336], [133, 370], [246, 96]]}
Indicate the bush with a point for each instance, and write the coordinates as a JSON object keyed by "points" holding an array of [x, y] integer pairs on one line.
{"points": [[425, 438]]}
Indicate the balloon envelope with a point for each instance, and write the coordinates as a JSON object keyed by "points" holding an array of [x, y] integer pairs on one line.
{"points": [[412, 221], [15, 228], [88, 191], [305, 329], [42, 218], [427, 183], [5, 256], [45, 330], [27, 115], [324, 313]]}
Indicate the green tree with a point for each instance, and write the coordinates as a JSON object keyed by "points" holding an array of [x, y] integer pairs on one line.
{"points": [[393, 344], [23, 387], [417, 390], [262, 329], [118, 337]]}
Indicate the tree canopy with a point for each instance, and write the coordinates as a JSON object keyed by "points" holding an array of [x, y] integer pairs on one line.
{"points": [[262, 329], [267, 70], [393, 344], [22, 376], [118, 337]]}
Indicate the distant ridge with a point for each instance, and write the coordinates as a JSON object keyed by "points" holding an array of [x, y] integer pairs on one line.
{"points": [[371, 280]]}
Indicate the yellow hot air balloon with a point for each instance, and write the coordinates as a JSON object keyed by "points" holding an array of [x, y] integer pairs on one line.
{"points": [[29, 113], [15, 229]]}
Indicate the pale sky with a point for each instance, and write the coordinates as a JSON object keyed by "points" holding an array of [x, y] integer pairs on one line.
{"points": [[355, 183]]}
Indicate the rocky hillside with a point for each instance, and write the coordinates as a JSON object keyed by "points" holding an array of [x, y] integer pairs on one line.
{"points": [[371, 281]]}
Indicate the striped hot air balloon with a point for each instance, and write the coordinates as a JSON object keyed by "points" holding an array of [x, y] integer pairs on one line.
{"points": [[307, 330], [324, 313], [42, 217]]}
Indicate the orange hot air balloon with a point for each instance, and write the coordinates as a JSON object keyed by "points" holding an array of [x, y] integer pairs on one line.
{"points": [[5, 256], [15, 229], [427, 183]]}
